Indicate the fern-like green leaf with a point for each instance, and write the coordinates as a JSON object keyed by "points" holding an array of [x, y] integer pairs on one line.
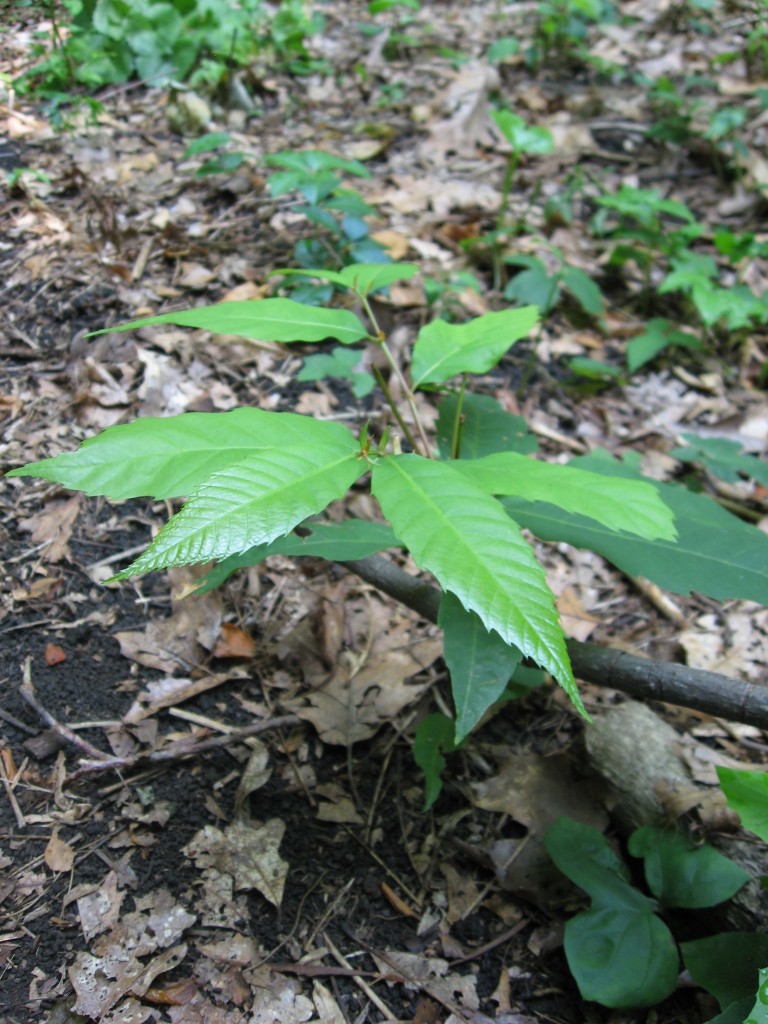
{"points": [[617, 503], [170, 457], [465, 539], [252, 502]]}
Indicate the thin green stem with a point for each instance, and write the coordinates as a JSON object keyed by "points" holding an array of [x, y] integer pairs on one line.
{"points": [[458, 421], [423, 448], [395, 411], [506, 189]]}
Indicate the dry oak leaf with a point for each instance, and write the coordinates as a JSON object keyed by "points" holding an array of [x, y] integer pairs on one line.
{"points": [[351, 706], [246, 852], [53, 527]]}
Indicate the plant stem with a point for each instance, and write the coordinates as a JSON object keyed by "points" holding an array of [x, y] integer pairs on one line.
{"points": [[457, 421], [393, 406], [642, 678], [506, 188], [424, 448]]}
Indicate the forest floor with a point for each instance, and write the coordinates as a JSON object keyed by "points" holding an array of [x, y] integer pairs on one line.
{"points": [[294, 876]]}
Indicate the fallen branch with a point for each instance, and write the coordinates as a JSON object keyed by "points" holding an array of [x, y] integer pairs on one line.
{"points": [[708, 692], [182, 749]]}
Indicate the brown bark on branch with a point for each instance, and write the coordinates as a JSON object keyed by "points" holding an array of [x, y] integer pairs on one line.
{"points": [[709, 692]]}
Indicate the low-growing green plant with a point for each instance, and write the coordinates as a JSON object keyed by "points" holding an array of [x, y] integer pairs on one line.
{"points": [[458, 502], [523, 139], [658, 335], [732, 309], [560, 33], [723, 458], [620, 951], [339, 213], [543, 285], [645, 228], [443, 294], [94, 43]]}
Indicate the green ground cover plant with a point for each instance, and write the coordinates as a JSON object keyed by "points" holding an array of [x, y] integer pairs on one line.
{"points": [[620, 951], [339, 214], [94, 43]]}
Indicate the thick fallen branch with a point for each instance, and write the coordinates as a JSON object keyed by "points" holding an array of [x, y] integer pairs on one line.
{"points": [[710, 692]]}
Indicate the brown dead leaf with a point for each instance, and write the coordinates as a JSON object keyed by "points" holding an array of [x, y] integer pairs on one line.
{"points": [[180, 641], [536, 791], [59, 855], [167, 692], [575, 620], [257, 773], [354, 703], [247, 853], [234, 642], [468, 123], [52, 528], [741, 650], [432, 974], [396, 244], [99, 909]]}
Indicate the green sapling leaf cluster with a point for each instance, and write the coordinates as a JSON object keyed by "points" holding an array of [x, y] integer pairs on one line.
{"points": [[252, 477]]}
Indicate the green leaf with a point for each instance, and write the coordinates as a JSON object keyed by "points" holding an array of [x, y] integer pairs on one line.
{"points": [[252, 502], [485, 428], [480, 663], [619, 952], [584, 290], [620, 959], [337, 542], [362, 278], [463, 537], [262, 320], [584, 855], [444, 350], [699, 560], [631, 505], [594, 369], [314, 160], [169, 457], [523, 138], [723, 458], [747, 794], [536, 286], [339, 363], [759, 1013], [680, 874], [314, 186], [727, 965], [659, 335], [206, 144], [433, 738]]}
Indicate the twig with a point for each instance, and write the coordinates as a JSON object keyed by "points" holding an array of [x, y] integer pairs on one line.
{"points": [[10, 785], [340, 960], [27, 692], [708, 692], [183, 748], [398, 970]]}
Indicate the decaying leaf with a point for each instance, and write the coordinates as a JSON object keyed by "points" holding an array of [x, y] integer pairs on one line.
{"points": [[247, 853], [53, 527], [59, 855]]}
